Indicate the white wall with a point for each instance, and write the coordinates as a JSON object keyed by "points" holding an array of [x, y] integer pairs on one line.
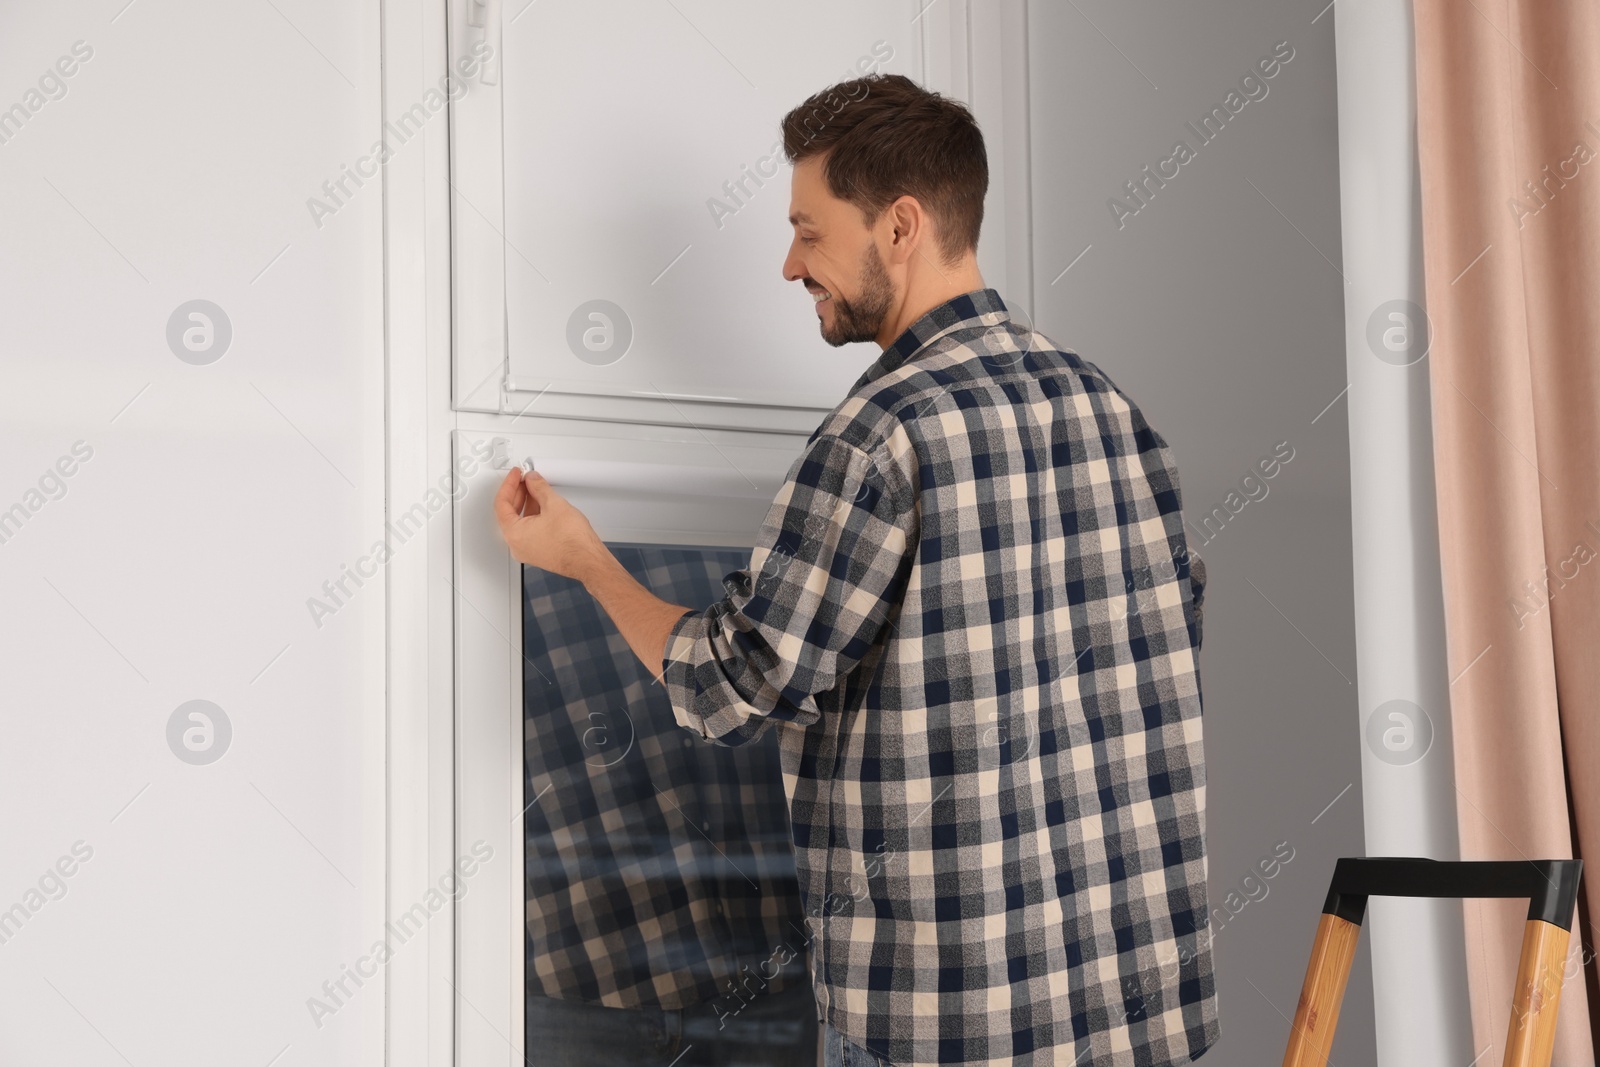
{"points": [[1423, 1016], [177, 565]]}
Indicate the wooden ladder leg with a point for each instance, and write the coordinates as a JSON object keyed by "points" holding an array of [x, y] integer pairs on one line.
{"points": [[1317, 1014], [1531, 1037]]}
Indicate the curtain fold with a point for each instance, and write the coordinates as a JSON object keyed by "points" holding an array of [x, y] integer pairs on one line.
{"points": [[1508, 140]]}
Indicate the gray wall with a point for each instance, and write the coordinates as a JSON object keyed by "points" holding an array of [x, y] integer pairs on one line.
{"points": [[1218, 307]]}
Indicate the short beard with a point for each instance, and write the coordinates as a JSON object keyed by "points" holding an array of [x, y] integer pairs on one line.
{"points": [[861, 319]]}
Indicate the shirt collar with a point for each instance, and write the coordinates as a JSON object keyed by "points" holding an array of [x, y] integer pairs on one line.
{"points": [[979, 307]]}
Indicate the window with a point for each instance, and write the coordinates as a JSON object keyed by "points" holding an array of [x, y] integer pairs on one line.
{"points": [[617, 229], [573, 776]]}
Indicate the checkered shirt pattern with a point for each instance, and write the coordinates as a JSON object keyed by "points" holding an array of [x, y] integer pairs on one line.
{"points": [[971, 611], [660, 871]]}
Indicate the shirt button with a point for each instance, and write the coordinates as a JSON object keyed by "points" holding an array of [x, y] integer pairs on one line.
{"points": [[687, 743]]}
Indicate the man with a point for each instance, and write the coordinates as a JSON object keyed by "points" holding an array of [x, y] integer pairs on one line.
{"points": [[972, 615]]}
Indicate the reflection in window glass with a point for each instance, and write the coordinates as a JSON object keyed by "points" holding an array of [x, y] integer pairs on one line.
{"points": [[663, 911]]}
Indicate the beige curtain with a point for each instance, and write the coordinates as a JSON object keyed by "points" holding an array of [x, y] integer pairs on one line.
{"points": [[1508, 136]]}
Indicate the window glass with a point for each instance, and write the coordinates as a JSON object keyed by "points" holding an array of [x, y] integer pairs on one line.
{"points": [[663, 910]]}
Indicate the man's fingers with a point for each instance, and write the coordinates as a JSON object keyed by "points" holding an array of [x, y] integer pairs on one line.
{"points": [[510, 500], [537, 487]]}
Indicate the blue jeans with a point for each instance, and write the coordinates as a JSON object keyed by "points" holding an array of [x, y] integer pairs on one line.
{"points": [[840, 1051], [774, 1030]]}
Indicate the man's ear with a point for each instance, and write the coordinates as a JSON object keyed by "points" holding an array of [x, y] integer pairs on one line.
{"points": [[907, 225]]}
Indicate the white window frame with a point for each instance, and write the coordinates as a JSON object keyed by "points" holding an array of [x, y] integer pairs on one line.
{"points": [[453, 730], [655, 484]]}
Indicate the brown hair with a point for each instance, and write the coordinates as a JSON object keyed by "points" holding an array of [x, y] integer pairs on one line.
{"points": [[884, 137]]}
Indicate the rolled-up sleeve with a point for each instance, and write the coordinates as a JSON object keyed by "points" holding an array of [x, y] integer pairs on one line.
{"points": [[827, 572]]}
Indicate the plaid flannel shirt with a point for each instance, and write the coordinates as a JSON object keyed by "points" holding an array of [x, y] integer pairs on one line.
{"points": [[659, 868], [972, 611]]}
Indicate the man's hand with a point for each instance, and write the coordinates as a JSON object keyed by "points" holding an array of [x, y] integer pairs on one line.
{"points": [[543, 530]]}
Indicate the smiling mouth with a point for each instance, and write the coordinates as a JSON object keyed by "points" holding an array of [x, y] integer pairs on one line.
{"points": [[819, 295]]}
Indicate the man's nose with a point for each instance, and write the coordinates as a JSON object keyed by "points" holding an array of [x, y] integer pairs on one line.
{"points": [[793, 265]]}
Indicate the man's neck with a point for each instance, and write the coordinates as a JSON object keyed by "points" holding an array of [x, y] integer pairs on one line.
{"points": [[924, 294]]}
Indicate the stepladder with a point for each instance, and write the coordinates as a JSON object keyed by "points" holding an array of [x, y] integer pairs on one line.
{"points": [[1551, 887]]}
